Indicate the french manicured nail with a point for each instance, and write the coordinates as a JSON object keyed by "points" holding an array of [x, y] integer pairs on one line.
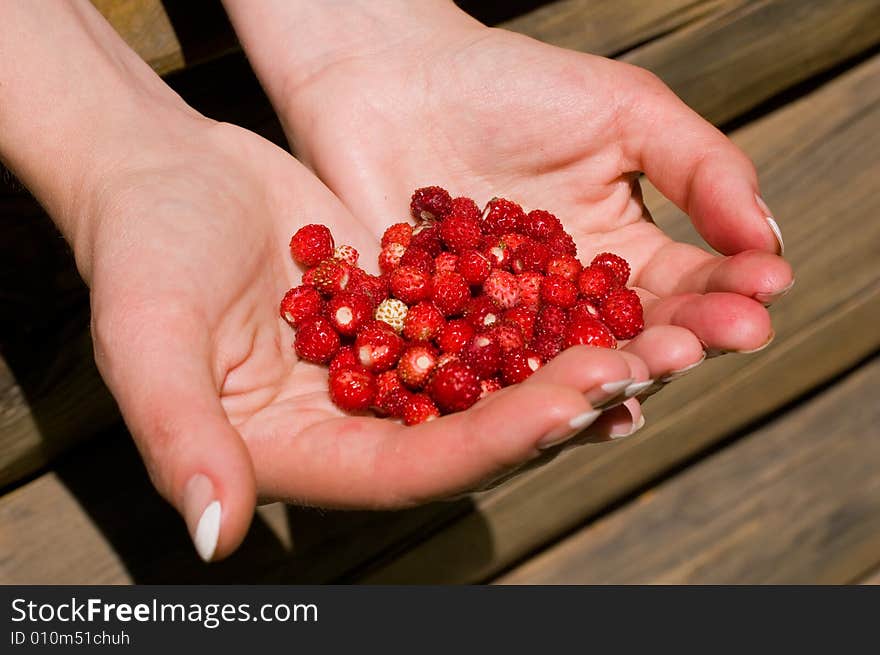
{"points": [[774, 226], [674, 375], [202, 513], [761, 347], [770, 298], [566, 432], [620, 433], [636, 388], [603, 396]]}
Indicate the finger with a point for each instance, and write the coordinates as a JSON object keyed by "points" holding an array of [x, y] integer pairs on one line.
{"points": [[619, 423], [698, 168], [682, 268], [159, 372], [606, 377], [666, 350], [722, 321]]}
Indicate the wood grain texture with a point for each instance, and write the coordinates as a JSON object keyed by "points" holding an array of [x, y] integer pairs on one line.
{"points": [[145, 26], [873, 579], [818, 157], [607, 27], [796, 502], [732, 60]]}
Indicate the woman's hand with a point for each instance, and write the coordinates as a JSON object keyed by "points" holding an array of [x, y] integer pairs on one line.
{"points": [[398, 100], [180, 227], [187, 264]]}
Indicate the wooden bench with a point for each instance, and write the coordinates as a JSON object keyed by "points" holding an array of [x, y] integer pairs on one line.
{"points": [[706, 493]]}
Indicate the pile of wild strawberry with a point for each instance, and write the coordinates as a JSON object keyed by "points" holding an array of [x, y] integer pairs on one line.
{"points": [[467, 302]]}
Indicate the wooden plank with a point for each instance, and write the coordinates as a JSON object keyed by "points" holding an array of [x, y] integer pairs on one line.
{"points": [[145, 26], [796, 502], [607, 27], [733, 60], [819, 156], [872, 579], [95, 519]]}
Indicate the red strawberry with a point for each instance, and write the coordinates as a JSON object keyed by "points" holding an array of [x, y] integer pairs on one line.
{"points": [[562, 244], [465, 207], [311, 244], [308, 278], [489, 386], [596, 282], [398, 233], [460, 233], [618, 266], [583, 308], [316, 340], [348, 311], [483, 355], [348, 254], [530, 256], [451, 293], [501, 216], [427, 237], [547, 346], [430, 203], [587, 331], [332, 276], [524, 317], [352, 389], [344, 358], [518, 365], [567, 266], [453, 387], [481, 312], [474, 267], [529, 288], [410, 284], [551, 320], [540, 225], [419, 258], [300, 303], [621, 311], [374, 287], [389, 258], [514, 240], [508, 335], [419, 408], [445, 262], [416, 364], [497, 252], [391, 396], [423, 322], [378, 347], [502, 288], [556, 290], [455, 335]]}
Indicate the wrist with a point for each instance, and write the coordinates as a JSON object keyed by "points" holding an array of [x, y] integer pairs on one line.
{"points": [[292, 43], [77, 107]]}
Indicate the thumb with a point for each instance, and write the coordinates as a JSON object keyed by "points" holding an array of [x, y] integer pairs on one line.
{"points": [[160, 374], [698, 168]]}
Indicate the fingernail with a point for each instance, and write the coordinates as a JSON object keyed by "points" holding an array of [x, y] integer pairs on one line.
{"points": [[674, 375], [628, 431], [637, 387], [604, 395], [770, 298], [566, 432], [202, 513], [761, 347], [774, 226]]}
